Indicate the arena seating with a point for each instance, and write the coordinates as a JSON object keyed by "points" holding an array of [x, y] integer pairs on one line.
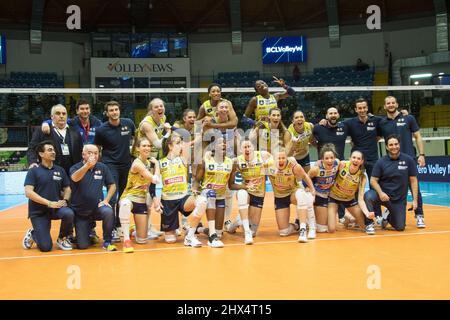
{"points": [[32, 80]]}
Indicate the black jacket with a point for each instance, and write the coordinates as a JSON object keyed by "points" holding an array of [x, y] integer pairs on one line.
{"points": [[73, 140]]}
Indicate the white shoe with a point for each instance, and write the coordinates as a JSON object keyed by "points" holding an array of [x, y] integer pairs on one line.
{"points": [[214, 242], [370, 229], [312, 233], [302, 236], [155, 231], [379, 220], [153, 234], [192, 242], [227, 225], [170, 238], [248, 237], [420, 222], [27, 242], [234, 226], [64, 244]]}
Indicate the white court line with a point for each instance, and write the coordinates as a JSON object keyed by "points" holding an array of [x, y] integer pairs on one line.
{"points": [[227, 245]]}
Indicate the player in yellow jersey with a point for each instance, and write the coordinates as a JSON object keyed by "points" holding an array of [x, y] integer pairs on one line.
{"points": [[251, 164], [208, 110], [214, 175], [134, 197], [301, 137], [350, 181], [191, 134], [266, 132], [175, 197], [155, 129], [232, 139], [284, 176], [323, 174], [264, 101]]}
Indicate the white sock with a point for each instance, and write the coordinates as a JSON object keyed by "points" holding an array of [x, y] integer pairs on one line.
{"points": [[311, 218], [246, 224], [237, 219], [385, 214], [219, 233], [302, 225], [212, 227], [125, 230], [191, 232]]}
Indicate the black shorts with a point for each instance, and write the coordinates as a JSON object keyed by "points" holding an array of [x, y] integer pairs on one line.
{"points": [[281, 203], [255, 201], [169, 215], [220, 203], [139, 208], [320, 202], [304, 162], [346, 204]]}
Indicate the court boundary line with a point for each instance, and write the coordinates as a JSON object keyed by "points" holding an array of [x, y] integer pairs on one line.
{"points": [[227, 245]]}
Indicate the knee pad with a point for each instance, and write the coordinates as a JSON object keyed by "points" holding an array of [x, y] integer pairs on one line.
{"points": [[242, 196], [170, 238], [125, 209], [210, 196], [321, 228], [302, 199], [200, 206]]}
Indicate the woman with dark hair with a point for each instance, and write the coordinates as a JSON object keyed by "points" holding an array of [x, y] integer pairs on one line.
{"points": [[301, 137], [261, 104], [208, 110], [323, 175], [266, 131]]}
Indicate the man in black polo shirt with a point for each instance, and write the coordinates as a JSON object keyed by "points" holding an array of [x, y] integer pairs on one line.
{"points": [[405, 127], [115, 136], [88, 178], [363, 131], [44, 184], [391, 176], [66, 139], [332, 132]]}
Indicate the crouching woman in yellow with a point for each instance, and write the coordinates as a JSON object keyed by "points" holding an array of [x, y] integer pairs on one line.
{"points": [[175, 197], [284, 176], [133, 199]]}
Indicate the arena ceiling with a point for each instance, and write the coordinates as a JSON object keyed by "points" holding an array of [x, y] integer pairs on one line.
{"points": [[189, 16]]}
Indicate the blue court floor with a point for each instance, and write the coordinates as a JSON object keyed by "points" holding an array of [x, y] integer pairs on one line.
{"points": [[432, 192]]}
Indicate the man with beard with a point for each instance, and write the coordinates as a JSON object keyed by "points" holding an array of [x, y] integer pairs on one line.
{"points": [[333, 132], [405, 127], [115, 136], [391, 176]]}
